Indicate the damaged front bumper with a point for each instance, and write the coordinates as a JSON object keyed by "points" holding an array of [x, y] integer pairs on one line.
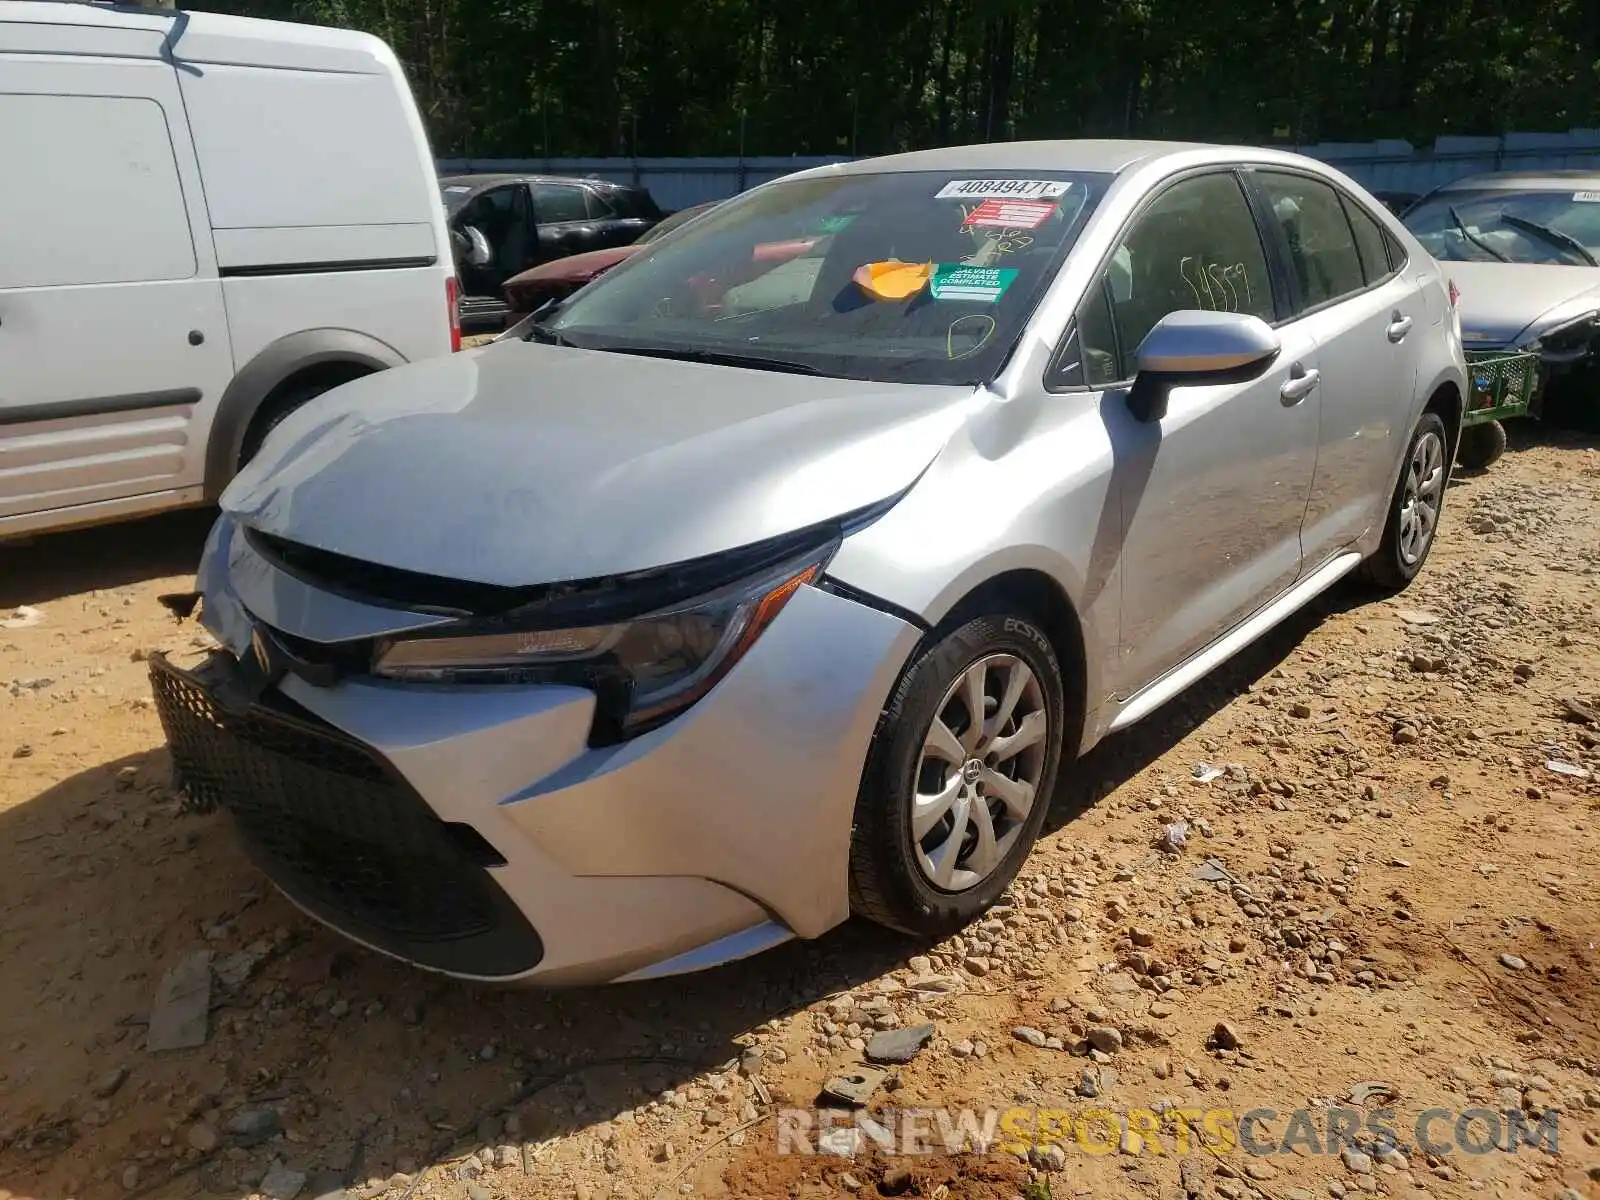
{"points": [[1565, 364], [475, 831]]}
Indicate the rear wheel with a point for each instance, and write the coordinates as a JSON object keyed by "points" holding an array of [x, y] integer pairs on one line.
{"points": [[1481, 445], [959, 777], [1414, 508]]}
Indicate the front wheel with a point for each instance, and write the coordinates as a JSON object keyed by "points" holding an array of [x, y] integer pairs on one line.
{"points": [[1414, 509], [959, 777]]}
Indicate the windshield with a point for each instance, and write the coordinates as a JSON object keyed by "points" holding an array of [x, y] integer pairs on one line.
{"points": [[1510, 226], [917, 277]]}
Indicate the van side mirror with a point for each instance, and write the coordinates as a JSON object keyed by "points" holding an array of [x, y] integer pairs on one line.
{"points": [[1192, 348]]}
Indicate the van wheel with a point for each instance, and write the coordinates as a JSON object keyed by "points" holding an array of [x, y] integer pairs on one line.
{"points": [[959, 777], [272, 414], [1481, 445], [1414, 508]]}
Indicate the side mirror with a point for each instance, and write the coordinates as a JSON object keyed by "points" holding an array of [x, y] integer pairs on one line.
{"points": [[1193, 347]]}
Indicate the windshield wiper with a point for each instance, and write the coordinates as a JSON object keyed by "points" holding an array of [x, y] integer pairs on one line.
{"points": [[1550, 235], [720, 358], [1474, 238], [549, 337]]}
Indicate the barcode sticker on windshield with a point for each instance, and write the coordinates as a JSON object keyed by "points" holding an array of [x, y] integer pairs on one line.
{"points": [[1003, 189], [1011, 214], [1586, 197]]}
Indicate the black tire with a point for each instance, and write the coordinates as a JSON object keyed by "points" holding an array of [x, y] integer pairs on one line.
{"points": [[272, 415], [1481, 445], [887, 886], [1388, 569]]}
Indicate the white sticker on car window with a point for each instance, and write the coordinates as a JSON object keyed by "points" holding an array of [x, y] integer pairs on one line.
{"points": [[984, 189], [458, 189], [1586, 197]]}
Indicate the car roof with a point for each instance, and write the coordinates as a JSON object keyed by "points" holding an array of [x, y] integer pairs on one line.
{"points": [[479, 182], [1522, 180], [1100, 156]]}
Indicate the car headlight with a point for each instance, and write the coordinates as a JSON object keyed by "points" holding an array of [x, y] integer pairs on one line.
{"points": [[644, 669]]}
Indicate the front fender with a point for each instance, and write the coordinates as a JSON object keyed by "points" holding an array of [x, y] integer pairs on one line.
{"points": [[1038, 500]]}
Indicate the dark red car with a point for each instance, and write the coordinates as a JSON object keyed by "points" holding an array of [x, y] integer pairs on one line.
{"points": [[560, 278]]}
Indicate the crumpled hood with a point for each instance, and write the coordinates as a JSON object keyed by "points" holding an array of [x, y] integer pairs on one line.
{"points": [[522, 464], [1503, 304]]}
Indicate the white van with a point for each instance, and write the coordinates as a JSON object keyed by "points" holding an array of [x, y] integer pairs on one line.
{"points": [[205, 221]]}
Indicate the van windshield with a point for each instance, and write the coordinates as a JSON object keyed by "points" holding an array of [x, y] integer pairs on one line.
{"points": [[918, 277]]}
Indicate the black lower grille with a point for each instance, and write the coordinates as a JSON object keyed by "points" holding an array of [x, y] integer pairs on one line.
{"points": [[340, 831]]}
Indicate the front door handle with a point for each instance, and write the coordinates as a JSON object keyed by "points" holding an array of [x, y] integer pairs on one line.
{"points": [[1399, 326], [1301, 383]]}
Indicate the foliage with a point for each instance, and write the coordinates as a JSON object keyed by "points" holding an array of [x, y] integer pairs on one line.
{"points": [[574, 77]]}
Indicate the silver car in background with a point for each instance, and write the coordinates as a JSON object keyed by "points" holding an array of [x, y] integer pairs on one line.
{"points": [[1524, 249], [772, 578]]}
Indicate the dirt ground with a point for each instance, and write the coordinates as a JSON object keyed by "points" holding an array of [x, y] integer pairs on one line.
{"points": [[1386, 896]]}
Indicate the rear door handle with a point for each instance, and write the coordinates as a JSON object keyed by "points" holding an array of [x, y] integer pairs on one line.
{"points": [[1399, 326], [1301, 383]]}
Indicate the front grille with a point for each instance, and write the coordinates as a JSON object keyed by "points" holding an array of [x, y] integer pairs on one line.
{"points": [[340, 832]]}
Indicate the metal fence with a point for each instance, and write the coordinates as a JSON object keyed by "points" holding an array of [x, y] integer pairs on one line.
{"points": [[674, 182], [1383, 165], [1399, 167]]}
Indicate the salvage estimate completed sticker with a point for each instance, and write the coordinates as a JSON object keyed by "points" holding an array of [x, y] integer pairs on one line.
{"points": [[952, 281], [1004, 189], [1011, 214]]}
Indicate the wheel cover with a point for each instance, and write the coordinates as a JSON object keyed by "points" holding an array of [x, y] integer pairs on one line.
{"points": [[978, 777], [1422, 498]]}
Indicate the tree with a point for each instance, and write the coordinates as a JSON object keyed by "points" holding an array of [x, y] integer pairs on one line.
{"points": [[604, 77]]}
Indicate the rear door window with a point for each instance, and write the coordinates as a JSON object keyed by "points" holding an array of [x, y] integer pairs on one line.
{"points": [[1369, 242], [634, 203], [1322, 249], [554, 203], [1397, 253]]}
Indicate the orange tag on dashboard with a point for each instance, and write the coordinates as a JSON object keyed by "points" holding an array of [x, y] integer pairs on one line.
{"points": [[893, 279]]}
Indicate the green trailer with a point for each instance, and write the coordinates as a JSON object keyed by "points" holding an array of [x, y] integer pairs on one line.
{"points": [[1499, 386]]}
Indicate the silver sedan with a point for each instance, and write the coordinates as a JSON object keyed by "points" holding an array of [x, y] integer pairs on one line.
{"points": [[1523, 247], [773, 576]]}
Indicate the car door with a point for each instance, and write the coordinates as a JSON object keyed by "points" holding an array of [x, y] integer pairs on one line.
{"points": [[1211, 495], [504, 216], [565, 227], [1369, 320], [114, 346]]}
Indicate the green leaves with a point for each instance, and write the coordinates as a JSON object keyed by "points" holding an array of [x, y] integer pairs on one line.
{"points": [[525, 78]]}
